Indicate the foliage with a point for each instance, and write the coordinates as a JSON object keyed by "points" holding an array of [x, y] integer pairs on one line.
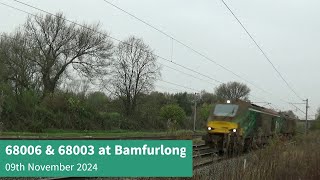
{"points": [[110, 120], [207, 98], [185, 100], [150, 110], [48, 65], [173, 113], [28, 111], [98, 100], [205, 111], [98, 133]]}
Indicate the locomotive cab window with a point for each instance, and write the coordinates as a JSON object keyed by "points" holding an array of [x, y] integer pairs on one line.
{"points": [[228, 110]]}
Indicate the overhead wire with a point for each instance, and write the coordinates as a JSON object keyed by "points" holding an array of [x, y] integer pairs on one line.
{"points": [[298, 108], [186, 73], [114, 39], [180, 85], [262, 51], [206, 57], [160, 57], [187, 46], [110, 37], [158, 79]]}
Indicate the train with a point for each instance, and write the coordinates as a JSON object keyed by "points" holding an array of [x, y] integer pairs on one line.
{"points": [[237, 126]]}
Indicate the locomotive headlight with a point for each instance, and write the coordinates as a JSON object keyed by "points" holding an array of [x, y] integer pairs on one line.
{"points": [[234, 130], [209, 128]]}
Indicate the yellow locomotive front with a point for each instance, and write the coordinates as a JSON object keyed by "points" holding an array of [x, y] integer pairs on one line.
{"points": [[222, 127], [221, 119]]}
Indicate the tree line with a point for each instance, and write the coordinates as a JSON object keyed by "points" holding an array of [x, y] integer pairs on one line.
{"points": [[41, 57]]}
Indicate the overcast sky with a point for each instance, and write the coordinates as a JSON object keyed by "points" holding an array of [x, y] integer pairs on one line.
{"points": [[287, 30]]}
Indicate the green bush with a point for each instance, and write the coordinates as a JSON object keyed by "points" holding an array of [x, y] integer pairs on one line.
{"points": [[28, 111], [110, 121], [174, 114]]}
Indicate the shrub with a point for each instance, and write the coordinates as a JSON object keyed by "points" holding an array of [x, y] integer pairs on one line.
{"points": [[173, 113]]}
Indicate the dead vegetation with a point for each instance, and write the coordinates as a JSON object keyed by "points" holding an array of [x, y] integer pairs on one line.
{"points": [[299, 159]]}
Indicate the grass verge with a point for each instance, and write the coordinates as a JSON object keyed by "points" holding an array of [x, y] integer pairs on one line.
{"points": [[113, 133]]}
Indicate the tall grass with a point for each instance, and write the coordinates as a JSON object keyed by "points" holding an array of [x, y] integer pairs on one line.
{"points": [[299, 159]]}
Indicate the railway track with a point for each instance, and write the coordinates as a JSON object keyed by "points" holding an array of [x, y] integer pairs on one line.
{"points": [[203, 156], [202, 151], [199, 146]]}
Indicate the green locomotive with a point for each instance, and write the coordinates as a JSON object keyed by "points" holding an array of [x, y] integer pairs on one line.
{"points": [[239, 126]]}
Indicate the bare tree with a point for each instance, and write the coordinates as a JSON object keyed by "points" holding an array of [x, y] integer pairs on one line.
{"points": [[21, 73], [290, 114], [134, 72], [58, 45], [232, 90]]}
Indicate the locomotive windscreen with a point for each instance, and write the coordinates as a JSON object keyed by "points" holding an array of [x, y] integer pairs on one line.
{"points": [[228, 110]]}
